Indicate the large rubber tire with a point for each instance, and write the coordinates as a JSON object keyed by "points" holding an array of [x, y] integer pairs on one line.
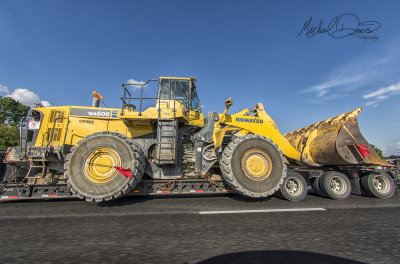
{"points": [[335, 185], [88, 181], [378, 185], [294, 187], [315, 186], [240, 179]]}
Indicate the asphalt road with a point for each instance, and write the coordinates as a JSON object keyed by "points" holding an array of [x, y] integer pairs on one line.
{"points": [[201, 229]]}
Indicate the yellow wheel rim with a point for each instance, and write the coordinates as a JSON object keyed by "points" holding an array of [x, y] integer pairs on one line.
{"points": [[100, 163], [256, 164]]}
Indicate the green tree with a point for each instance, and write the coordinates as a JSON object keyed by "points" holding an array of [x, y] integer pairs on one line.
{"points": [[378, 151], [11, 113], [9, 136]]}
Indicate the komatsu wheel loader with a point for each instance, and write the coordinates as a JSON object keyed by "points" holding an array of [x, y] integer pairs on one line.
{"points": [[100, 154]]}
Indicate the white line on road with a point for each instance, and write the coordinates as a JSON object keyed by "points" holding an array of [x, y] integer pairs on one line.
{"points": [[134, 213], [263, 211]]}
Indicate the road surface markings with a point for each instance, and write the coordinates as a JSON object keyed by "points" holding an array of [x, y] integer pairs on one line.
{"points": [[263, 211]]}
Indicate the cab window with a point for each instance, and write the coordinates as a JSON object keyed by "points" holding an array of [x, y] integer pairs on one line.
{"points": [[181, 88], [196, 106], [171, 89], [164, 89]]}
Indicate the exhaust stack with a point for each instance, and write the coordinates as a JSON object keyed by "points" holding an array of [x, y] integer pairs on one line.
{"points": [[96, 99]]}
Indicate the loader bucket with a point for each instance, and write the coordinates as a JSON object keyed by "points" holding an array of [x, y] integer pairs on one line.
{"points": [[335, 141]]}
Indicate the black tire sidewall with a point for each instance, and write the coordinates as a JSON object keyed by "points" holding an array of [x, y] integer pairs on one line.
{"points": [[324, 183], [367, 183], [88, 188], [315, 186], [276, 161], [283, 193]]}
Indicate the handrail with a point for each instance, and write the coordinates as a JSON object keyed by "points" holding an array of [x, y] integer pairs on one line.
{"points": [[132, 98], [66, 131], [20, 132], [52, 131], [127, 97]]}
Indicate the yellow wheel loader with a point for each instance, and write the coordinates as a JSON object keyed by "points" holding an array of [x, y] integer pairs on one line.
{"points": [[100, 154]]}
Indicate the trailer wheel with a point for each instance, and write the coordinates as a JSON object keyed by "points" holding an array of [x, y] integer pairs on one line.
{"points": [[253, 166], [335, 185], [378, 185], [315, 186], [90, 167], [294, 187]]}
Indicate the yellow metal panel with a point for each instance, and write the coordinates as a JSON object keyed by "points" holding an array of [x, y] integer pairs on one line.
{"points": [[81, 126], [46, 126], [262, 124], [196, 119], [167, 112], [260, 127], [78, 130]]}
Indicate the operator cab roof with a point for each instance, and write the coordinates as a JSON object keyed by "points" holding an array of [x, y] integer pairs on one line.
{"points": [[181, 78]]}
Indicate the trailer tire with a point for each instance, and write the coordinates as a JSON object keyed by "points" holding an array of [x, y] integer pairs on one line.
{"points": [[253, 166], [315, 186], [378, 185], [294, 187], [89, 177], [335, 185]]}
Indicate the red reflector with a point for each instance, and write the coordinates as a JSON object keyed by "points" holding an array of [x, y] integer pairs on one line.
{"points": [[126, 172], [166, 192], [363, 150], [198, 191]]}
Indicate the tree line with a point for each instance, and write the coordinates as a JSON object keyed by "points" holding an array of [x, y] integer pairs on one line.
{"points": [[11, 114]]}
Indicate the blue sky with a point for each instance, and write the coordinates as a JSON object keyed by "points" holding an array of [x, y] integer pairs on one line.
{"points": [[59, 51]]}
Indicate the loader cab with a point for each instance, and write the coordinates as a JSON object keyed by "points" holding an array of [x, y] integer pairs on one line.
{"points": [[182, 90]]}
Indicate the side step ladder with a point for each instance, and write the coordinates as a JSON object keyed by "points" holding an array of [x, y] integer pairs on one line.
{"points": [[36, 162], [166, 147]]}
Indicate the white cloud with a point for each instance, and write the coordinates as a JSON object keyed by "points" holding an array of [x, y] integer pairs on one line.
{"points": [[24, 96], [394, 88], [27, 97], [4, 89], [381, 97], [382, 94], [135, 84], [45, 103], [372, 103], [391, 150], [325, 87], [362, 72]]}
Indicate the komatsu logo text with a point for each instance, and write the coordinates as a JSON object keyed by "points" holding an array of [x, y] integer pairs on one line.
{"points": [[249, 120]]}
